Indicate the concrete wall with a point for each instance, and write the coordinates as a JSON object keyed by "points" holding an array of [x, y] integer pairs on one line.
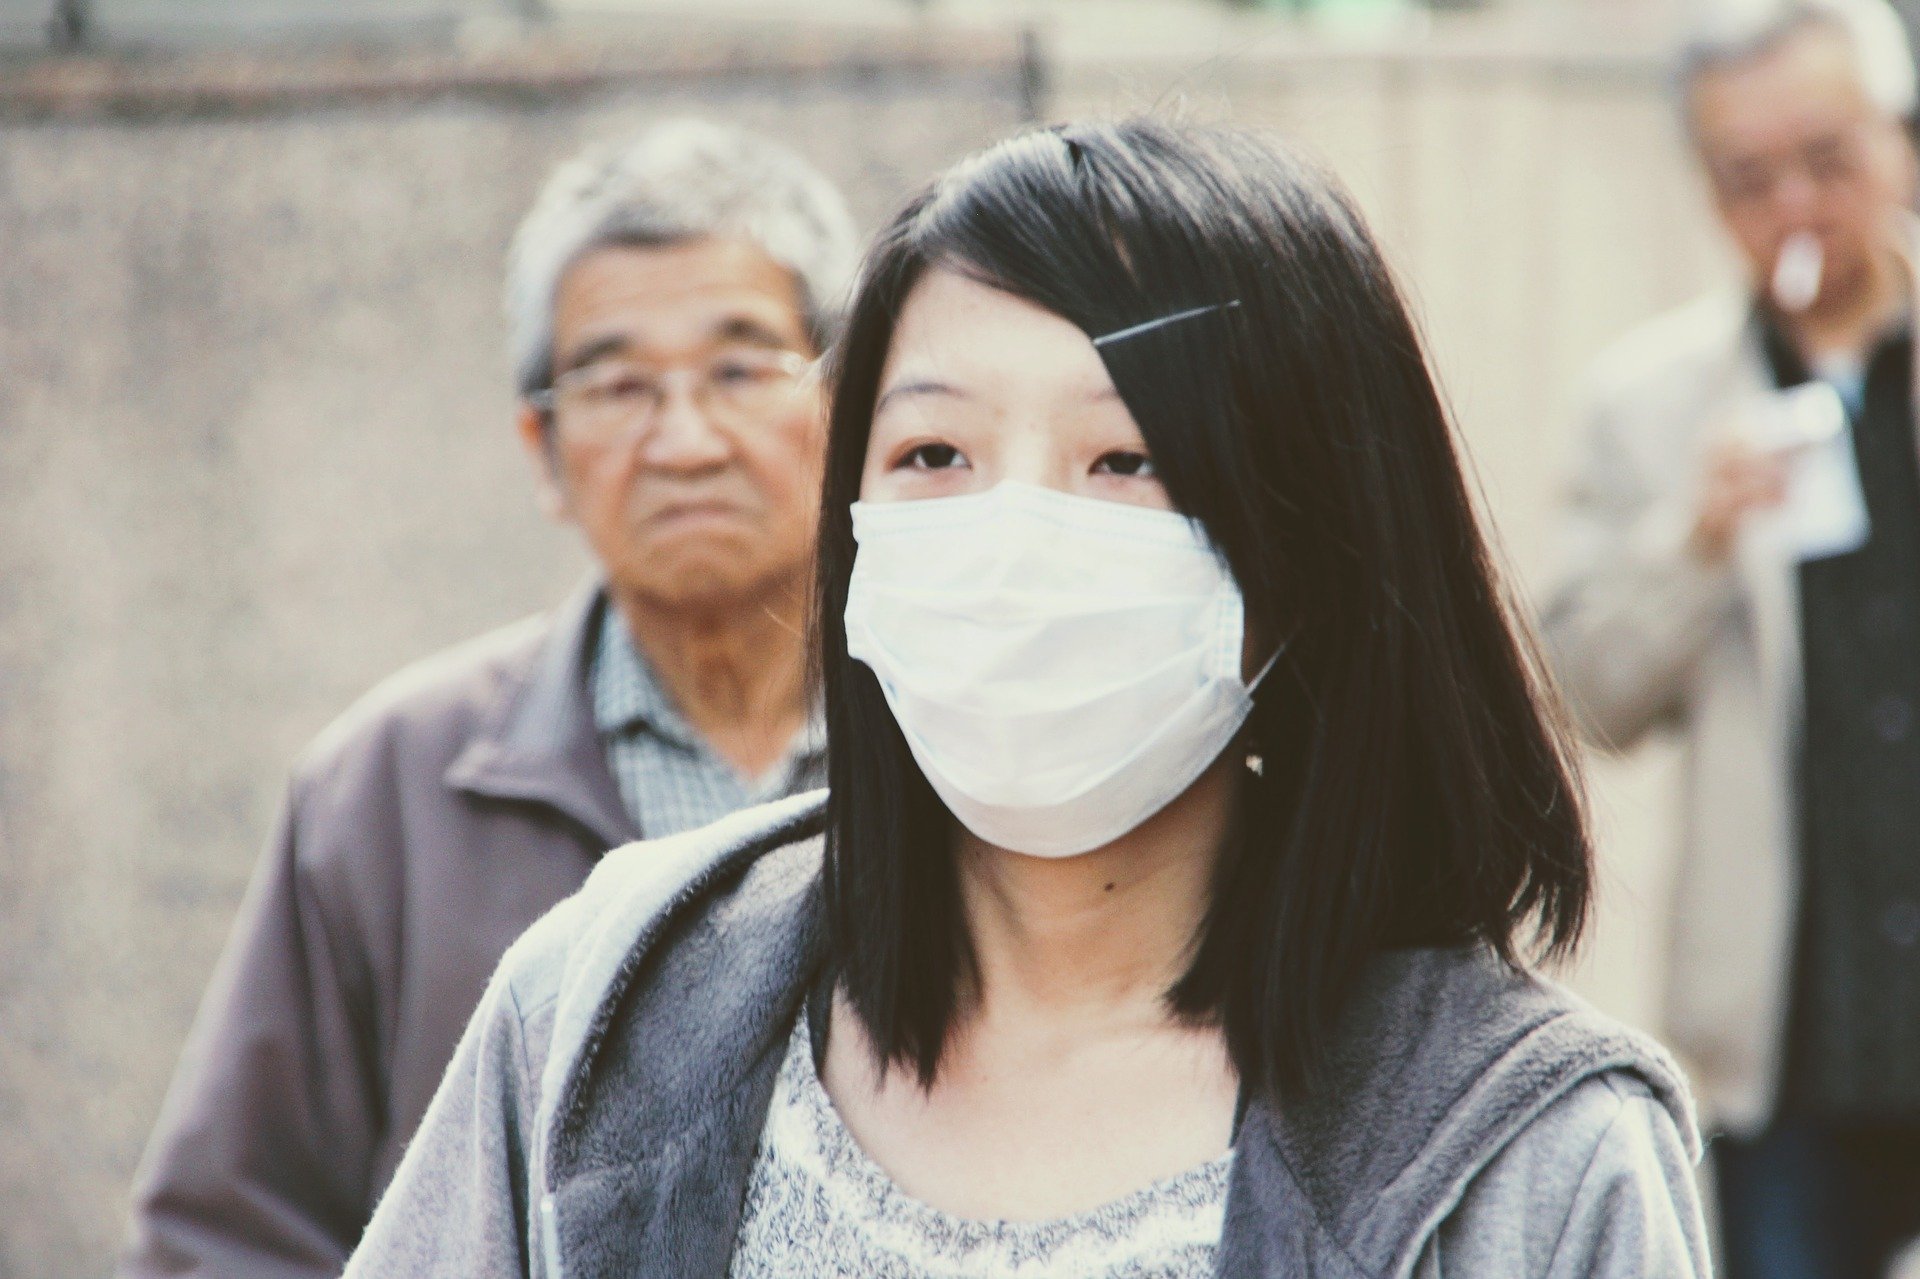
{"points": [[254, 447], [255, 453]]}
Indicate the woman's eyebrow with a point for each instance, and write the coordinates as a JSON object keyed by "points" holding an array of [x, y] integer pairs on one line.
{"points": [[918, 386]]}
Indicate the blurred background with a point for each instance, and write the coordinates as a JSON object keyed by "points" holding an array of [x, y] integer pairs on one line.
{"points": [[255, 444]]}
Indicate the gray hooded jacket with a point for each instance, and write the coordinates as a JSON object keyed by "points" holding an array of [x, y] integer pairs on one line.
{"points": [[601, 1117]]}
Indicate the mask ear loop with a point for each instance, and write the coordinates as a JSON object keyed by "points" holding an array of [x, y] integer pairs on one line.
{"points": [[1256, 762], [1262, 674]]}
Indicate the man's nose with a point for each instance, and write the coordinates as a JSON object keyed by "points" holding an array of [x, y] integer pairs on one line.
{"points": [[1795, 197], [682, 436]]}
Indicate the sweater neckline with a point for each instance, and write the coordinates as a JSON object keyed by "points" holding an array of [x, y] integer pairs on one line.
{"points": [[845, 1157]]}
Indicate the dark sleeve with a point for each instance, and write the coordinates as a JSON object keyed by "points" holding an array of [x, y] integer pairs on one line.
{"points": [[260, 1166]]}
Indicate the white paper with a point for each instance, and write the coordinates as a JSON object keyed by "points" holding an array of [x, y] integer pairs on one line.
{"points": [[1824, 513]]}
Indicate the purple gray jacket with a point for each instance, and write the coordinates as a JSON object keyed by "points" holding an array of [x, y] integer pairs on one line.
{"points": [[601, 1118], [422, 833]]}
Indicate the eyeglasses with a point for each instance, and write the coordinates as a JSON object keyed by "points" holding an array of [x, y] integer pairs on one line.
{"points": [[1825, 162], [610, 399]]}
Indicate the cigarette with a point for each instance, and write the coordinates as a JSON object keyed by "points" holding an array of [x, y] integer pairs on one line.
{"points": [[1796, 272]]}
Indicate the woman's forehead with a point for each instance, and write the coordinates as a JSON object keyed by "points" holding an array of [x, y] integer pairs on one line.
{"points": [[981, 341]]}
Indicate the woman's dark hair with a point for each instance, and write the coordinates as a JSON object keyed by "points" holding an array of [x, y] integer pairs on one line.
{"points": [[1414, 790]]}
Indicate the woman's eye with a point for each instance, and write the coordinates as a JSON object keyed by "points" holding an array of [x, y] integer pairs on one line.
{"points": [[931, 457], [1127, 464]]}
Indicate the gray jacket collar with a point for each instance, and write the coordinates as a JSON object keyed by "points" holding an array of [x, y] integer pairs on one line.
{"points": [[679, 997], [540, 745]]}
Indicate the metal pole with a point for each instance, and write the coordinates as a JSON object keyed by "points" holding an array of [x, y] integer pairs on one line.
{"points": [[67, 26]]}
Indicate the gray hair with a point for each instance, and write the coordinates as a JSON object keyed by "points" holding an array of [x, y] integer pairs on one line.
{"points": [[676, 181], [1731, 32]]}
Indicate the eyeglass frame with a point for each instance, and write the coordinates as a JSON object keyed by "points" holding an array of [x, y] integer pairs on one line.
{"points": [[547, 399], [1825, 162]]}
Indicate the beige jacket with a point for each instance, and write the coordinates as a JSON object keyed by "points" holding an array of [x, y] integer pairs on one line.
{"points": [[1644, 636]]}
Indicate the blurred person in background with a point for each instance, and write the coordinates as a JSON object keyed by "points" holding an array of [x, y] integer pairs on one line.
{"points": [[1744, 568], [1191, 827], [665, 299]]}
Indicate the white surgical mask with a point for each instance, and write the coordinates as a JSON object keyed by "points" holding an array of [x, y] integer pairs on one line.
{"points": [[1061, 667]]}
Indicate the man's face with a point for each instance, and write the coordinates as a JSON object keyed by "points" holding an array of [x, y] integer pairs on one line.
{"points": [[1791, 142], [696, 485]]}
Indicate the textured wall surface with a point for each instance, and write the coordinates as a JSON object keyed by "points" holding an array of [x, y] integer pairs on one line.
{"points": [[255, 453]]}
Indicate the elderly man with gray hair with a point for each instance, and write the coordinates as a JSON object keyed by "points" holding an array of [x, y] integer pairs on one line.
{"points": [[665, 300], [1743, 570]]}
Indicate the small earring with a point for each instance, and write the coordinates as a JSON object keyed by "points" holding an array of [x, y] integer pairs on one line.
{"points": [[1256, 765]]}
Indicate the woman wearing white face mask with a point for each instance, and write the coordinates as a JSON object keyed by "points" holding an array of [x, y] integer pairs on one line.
{"points": [[1191, 813]]}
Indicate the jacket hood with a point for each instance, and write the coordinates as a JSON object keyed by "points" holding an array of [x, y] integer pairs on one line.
{"points": [[689, 958], [1442, 1057]]}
